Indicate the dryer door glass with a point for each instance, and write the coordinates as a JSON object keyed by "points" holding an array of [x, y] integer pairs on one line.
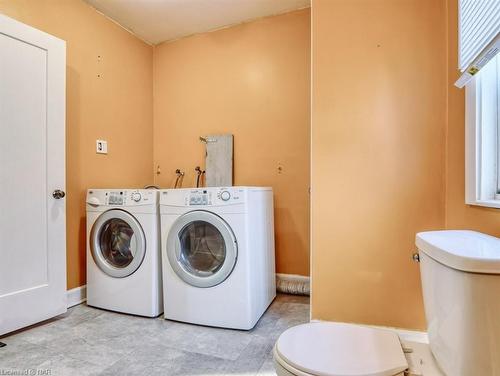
{"points": [[203, 249], [117, 243]]}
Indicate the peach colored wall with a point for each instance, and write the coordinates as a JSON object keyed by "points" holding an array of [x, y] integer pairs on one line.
{"points": [[251, 80], [117, 106], [378, 155], [458, 214]]}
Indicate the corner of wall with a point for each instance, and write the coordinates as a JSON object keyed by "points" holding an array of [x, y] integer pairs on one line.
{"points": [[153, 149], [447, 123]]}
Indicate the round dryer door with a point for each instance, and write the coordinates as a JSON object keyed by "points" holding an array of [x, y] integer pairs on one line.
{"points": [[117, 243], [202, 249]]}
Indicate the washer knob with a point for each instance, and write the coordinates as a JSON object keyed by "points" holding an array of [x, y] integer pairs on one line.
{"points": [[225, 195], [136, 196]]}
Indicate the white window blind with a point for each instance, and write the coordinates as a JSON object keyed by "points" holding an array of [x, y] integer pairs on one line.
{"points": [[479, 28]]}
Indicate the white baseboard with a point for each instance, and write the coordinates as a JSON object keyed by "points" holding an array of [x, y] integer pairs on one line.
{"points": [[76, 296], [411, 335], [404, 334], [293, 284]]}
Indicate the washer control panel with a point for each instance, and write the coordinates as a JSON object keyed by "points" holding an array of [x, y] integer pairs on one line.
{"points": [[116, 198], [126, 197], [121, 197]]}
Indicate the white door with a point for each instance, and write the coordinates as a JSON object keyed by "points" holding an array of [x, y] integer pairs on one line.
{"points": [[32, 164]]}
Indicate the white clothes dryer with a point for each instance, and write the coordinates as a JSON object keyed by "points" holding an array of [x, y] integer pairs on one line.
{"points": [[123, 251], [218, 255]]}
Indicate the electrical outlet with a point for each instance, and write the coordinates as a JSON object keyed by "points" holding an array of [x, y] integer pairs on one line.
{"points": [[101, 147], [280, 168]]}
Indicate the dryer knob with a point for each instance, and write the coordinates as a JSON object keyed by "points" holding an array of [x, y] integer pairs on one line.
{"points": [[136, 196], [225, 195]]}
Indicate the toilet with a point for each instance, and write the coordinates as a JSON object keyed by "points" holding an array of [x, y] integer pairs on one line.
{"points": [[460, 272]]}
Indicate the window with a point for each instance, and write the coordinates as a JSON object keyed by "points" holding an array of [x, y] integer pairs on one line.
{"points": [[483, 136]]}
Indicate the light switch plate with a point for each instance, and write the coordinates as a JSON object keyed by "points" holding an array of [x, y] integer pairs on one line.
{"points": [[101, 147]]}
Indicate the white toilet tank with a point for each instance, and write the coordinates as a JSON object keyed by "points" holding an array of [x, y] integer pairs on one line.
{"points": [[460, 273]]}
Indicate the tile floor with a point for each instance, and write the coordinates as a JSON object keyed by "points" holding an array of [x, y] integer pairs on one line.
{"points": [[89, 341]]}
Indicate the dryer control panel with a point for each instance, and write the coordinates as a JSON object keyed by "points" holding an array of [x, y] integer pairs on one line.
{"points": [[200, 198], [214, 196]]}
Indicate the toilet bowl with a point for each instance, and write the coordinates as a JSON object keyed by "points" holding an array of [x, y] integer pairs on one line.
{"points": [[337, 349]]}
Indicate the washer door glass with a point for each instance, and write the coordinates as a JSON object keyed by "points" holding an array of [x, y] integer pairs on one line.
{"points": [[201, 249], [118, 243]]}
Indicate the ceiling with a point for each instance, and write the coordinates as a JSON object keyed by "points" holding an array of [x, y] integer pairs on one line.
{"points": [[156, 21]]}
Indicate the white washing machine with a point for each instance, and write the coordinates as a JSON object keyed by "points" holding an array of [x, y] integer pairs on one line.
{"points": [[123, 251], [218, 255]]}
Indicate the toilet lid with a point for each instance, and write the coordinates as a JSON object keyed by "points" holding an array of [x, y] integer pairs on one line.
{"points": [[336, 349]]}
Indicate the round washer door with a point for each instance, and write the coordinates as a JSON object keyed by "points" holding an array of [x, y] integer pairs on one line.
{"points": [[202, 249], [117, 243]]}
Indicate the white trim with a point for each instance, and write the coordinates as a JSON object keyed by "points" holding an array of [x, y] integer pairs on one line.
{"points": [[471, 144], [76, 296], [409, 335], [481, 138], [311, 164], [486, 203], [403, 334], [293, 284]]}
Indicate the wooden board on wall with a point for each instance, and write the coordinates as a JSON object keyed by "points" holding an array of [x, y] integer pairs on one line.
{"points": [[219, 160]]}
